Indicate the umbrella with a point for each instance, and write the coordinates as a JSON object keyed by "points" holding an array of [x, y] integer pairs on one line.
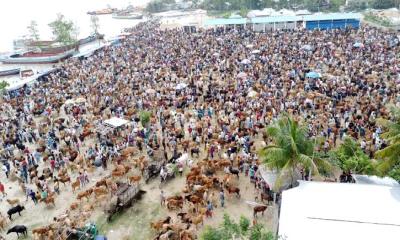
{"points": [[150, 91], [256, 51], [242, 75], [69, 102], [313, 75], [181, 86], [358, 45], [307, 47], [80, 100], [245, 61], [252, 94]]}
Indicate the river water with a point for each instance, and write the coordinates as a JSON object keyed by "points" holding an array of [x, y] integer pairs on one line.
{"points": [[15, 16]]}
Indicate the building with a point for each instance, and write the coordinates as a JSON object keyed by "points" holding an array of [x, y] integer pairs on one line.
{"points": [[331, 211], [310, 22]]}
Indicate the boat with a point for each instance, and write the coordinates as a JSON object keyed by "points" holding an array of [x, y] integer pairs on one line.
{"points": [[27, 73], [102, 11], [10, 72], [127, 15], [38, 57]]}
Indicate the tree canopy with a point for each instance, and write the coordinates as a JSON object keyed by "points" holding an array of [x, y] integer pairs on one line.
{"points": [[390, 155], [350, 157], [33, 31], [94, 19], [291, 150], [229, 229], [64, 30]]}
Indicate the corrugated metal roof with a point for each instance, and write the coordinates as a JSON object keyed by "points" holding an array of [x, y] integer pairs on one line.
{"points": [[315, 17], [332, 16], [276, 19], [225, 21]]}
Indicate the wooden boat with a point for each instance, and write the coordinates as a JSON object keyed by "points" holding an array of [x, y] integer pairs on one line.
{"points": [[102, 11], [10, 72], [27, 73], [38, 57], [127, 15]]}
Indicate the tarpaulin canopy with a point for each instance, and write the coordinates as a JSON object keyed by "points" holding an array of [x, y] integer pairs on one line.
{"points": [[331, 211], [313, 75], [116, 122]]}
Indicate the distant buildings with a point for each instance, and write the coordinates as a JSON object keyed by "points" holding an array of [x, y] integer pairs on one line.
{"points": [[283, 21]]}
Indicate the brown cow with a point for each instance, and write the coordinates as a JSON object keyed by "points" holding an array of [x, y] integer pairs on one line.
{"points": [[50, 200], [175, 204], [197, 220], [258, 209], [134, 179], [65, 179], [233, 190], [75, 184], [100, 191]]}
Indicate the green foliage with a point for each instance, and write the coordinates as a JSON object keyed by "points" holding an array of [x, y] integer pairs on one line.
{"points": [[33, 31], [64, 30], [230, 230], [350, 157], [384, 4], [145, 118], [3, 85], [156, 6], [244, 224], [395, 173], [94, 19], [369, 17], [291, 149], [357, 5], [243, 12], [390, 155]]}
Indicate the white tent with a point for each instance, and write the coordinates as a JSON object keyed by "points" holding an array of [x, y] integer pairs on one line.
{"points": [[331, 211], [116, 122], [385, 181], [181, 86]]}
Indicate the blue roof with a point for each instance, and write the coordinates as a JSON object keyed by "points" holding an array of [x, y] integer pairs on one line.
{"points": [[226, 21], [317, 17]]}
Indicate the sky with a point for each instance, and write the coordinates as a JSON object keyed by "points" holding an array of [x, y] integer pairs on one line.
{"points": [[15, 16]]}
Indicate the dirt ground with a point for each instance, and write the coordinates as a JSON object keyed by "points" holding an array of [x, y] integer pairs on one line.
{"points": [[134, 223]]}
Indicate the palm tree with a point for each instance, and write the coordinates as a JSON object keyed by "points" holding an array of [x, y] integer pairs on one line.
{"points": [[390, 154], [291, 149]]}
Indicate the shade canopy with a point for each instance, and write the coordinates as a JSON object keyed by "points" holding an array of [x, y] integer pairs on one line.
{"points": [[331, 211], [313, 75], [116, 122]]}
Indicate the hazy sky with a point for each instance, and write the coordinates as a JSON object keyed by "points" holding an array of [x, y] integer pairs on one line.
{"points": [[15, 16]]}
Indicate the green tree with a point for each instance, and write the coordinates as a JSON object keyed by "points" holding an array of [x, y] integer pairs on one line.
{"points": [[144, 118], [291, 150], [390, 155], [33, 31], [384, 4], [229, 230], [94, 19], [350, 157], [3, 85], [64, 30]]}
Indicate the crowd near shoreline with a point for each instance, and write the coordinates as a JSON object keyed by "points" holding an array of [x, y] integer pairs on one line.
{"points": [[208, 94]]}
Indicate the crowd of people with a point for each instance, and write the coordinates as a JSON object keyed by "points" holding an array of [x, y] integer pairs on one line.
{"points": [[211, 92]]}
